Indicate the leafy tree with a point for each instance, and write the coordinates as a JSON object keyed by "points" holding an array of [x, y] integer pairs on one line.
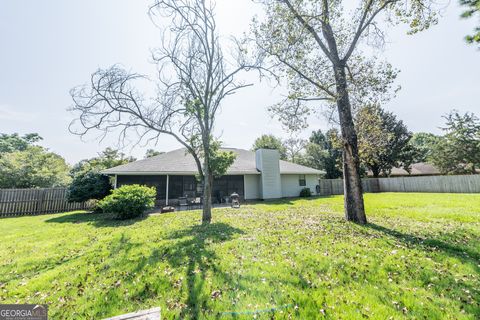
{"points": [[424, 144], [89, 185], [152, 153], [295, 148], [459, 151], [473, 8], [383, 140], [34, 167], [14, 142], [220, 160], [88, 181], [324, 153], [106, 159], [194, 79], [269, 141], [315, 46]]}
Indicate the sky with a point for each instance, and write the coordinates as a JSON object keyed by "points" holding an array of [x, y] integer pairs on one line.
{"points": [[51, 46]]}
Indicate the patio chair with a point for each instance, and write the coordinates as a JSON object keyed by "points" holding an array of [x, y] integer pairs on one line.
{"points": [[235, 200], [197, 202], [183, 202]]}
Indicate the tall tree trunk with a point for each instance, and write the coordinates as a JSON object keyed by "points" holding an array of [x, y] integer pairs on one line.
{"points": [[354, 206], [207, 199], [207, 183]]}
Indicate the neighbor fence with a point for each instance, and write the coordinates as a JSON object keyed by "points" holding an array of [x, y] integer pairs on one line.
{"points": [[440, 184], [18, 202]]}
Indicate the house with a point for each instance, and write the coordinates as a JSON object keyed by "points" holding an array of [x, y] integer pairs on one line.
{"points": [[253, 175], [416, 169]]}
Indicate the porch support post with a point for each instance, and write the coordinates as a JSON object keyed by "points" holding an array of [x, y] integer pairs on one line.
{"points": [[166, 193], [115, 182]]}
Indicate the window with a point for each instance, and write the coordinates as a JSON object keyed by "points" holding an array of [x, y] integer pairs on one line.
{"points": [[302, 181]]}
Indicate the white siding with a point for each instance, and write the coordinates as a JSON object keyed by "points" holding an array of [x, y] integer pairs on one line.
{"points": [[291, 186], [252, 186], [268, 163]]}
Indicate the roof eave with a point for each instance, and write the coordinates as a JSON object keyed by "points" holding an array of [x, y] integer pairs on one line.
{"points": [[172, 173]]}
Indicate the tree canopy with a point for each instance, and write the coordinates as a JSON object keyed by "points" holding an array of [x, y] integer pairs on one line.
{"points": [[33, 167], [324, 152], [458, 152], [472, 8], [88, 181], [383, 141], [152, 153], [269, 141], [106, 159], [15, 142], [424, 144]]}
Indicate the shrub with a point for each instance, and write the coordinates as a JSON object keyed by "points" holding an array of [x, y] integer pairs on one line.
{"points": [[89, 185], [129, 201], [305, 193]]}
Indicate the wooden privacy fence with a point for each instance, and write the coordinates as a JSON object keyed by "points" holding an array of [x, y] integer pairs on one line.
{"points": [[18, 202], [440, 184]]}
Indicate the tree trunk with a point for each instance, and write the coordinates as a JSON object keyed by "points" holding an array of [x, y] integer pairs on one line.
{"points": [[207, 184], [375, 171], [207, 200], [354, 206]]}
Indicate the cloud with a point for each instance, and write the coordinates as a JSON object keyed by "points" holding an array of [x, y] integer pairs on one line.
{"points": [[10, 114]]}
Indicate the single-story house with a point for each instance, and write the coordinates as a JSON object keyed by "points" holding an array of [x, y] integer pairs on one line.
{"points": [[253, 175]]}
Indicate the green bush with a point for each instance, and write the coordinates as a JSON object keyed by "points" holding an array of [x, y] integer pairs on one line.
{"points": [[87, 186], [129, 201], [305, 193]]}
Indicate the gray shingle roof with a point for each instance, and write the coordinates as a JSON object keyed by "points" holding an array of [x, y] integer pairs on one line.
{"points": [[181, 162]]}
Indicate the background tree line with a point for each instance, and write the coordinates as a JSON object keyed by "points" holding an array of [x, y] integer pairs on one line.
{"points": [[385, 143], [25, 164]]}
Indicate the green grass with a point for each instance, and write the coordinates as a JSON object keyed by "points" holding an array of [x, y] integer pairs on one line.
{"points": [[419, 258]]}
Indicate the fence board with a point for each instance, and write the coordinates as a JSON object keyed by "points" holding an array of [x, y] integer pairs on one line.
{"points": [[19, 202], [437, 184]]}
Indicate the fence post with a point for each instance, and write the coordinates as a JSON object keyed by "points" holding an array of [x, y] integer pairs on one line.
{"points": [[41, 195]]}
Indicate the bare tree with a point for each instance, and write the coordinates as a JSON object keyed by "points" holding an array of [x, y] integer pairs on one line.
{"points": [[316, 45], [194, 79]]}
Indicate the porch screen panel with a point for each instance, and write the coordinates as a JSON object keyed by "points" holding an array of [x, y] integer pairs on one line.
{"points": [[159, 182], [226, 185], [175, 187]]}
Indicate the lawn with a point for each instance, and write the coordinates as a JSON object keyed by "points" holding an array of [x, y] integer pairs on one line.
{"points": [[419, 258]]}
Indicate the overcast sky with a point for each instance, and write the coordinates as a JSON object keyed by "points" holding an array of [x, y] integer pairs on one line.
{"points": [[48, 47]]}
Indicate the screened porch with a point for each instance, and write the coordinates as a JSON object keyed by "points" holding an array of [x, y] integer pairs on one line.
{"points": [[173, 188]]}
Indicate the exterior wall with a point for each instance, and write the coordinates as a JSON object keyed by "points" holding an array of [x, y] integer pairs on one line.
{"points": [[291, 186], [268, 163], [252, 186]]}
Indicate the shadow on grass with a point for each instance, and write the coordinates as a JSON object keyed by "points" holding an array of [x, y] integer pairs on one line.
{"points": [[448, 285], [462, 253], [96, 219], [192, 248]]}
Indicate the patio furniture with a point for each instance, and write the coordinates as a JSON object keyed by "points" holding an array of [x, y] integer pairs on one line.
{"points": [[183, 203], [196, 203], [167, 209], [235, 200]]}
